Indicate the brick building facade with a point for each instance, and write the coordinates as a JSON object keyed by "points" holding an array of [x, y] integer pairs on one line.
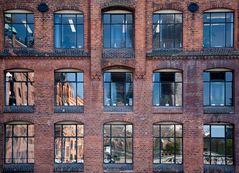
{"points": [[192, 59]]}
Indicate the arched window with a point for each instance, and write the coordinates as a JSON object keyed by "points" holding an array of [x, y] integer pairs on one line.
{"points": [[18, 28], [167, 87], [19, 88], [167, 29], [218, 28], [168, 143], [218, 144], [218, 87], [68, 29], [118, 29]]}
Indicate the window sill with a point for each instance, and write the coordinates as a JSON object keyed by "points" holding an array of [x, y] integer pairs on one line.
{"points": [[22, 167], [168, 168], [167, 109], [118, 109], [68, 167], [218, 110], [68, 109], [118, 53], [19, 109], [118, 167], [219, 168]]}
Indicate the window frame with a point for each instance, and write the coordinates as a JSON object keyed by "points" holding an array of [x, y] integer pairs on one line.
{"points": [[76, 14], [174, 137], [210, 12], [210, 138]]}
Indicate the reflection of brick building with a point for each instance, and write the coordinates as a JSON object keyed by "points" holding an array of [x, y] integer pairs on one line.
{"points": [[142, 60]]}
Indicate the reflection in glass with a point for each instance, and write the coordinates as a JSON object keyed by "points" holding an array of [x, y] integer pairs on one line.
{"points": [[19, 30]]}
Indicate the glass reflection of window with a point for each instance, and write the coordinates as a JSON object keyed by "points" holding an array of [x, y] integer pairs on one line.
{"points": [[69, 143], [19, 143], [118, 30], [19, 89], [69, 30], [118, 143], [168, 144], [167, 30], [218, 144], [69, 89], [218, 29], [167, 89], [118, 89], [19, 29], [218, 88]]}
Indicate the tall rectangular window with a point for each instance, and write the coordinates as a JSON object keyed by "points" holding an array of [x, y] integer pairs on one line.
{"points": [[218, 144], [19, 89], [69, 88], [19, 29], [118, 29], [167, 88], [167, 30], [19, 143], [168, 143], [218, 29], [68, 30], [118, 89], [218, 88]]}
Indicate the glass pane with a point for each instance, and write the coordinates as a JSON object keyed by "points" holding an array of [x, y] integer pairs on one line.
{"points": [[118, 150], [80, 77], [206, 17], [57, 18], [229, 35], [18, 18], [69, 76], [8, 150], [167, 77], [206, 35], [58, 146], [156, 150], [8, 130], [217, 93], [218, 160], [218, 147], [69, 94], [69, 19], [117, 94], [217, 17], [107, 43], [20, 90], [129, 131], [30, 130], [206, 76], [178, 77], [178, 18], [57, 36], [166, 18], [155, 18], [118, 130], [156, 91], [107, 94], [179, 150], [129, 18], [229, 148], [167, 130], [178, 35], [229, 76], [80, 36], [58, 130], [20, 150], [156, 131], [206, 148], [206, 94], [106, 18], [80, 94], [229, 131], [107, 151], [20, 130], [129, 94], [167, 151], [106, 130], [167, 36], [178, 130], [31, 94], [30, 150], [129, 35], [19, 37], [229, 17], [156, 77], [167, 94], [117, 18], [218, 35], [206, 130], [69, 150], [107, 77], [80, 130], [7, 18], [229, 94], [69, 130], [80, 19], [178, 94], [207, 160], [69, 36], [118, 36], [229, 160], [218, 131], [59, 93], [8, 34], [129, 150], [156, 36], [80, 151]]}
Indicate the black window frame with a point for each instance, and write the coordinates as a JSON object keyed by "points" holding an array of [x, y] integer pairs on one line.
{"points": [[62, 85], [125, 82], [76, 137], [225, 139], [159, 82], [110, 24], [160, 145], [174, 25], [77, 32], [27, 84], [11, 25], [12, 137], [225, 22], [113, 137], [225, 84]]}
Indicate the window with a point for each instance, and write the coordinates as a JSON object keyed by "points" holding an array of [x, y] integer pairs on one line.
{"points": [[19, 143], [167, 88], [69, 89], [168, 143], [19, 28], [68, 29], [218, 144], [118, 29], [118, 143], [218, 85], [218, 28], [118, 88], [167, 29], [19, 89], [69, 143]]}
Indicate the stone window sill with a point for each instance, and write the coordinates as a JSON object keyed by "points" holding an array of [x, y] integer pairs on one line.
{"points": [[111, 167], [118, 53], [68, 109], [167, 109], [21, 167], [19, 109], [219, 168], [218, 110], [118, 109], [68, 167], [168, 168]]}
